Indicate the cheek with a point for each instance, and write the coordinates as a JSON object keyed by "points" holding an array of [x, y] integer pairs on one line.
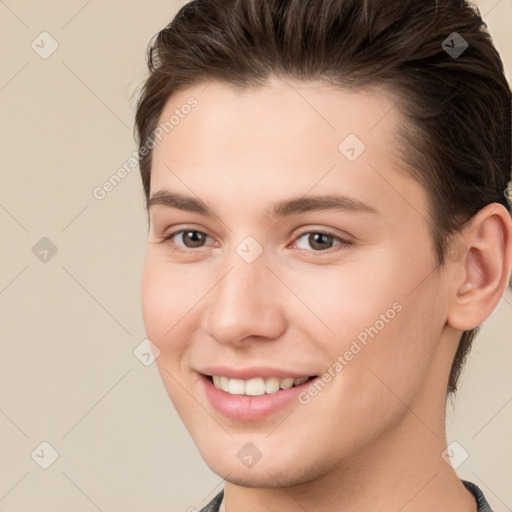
{"points": [[377, 326], [397, 350], [153, 301], [352, 301], [165, 300]]}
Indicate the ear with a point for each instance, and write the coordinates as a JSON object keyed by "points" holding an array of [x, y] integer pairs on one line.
{"points": [[481, 270]]}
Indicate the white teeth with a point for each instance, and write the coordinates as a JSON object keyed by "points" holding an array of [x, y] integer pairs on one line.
{"points": [[236, 387], [224, 383], [257, 386], [272, 385], [286, 383]]}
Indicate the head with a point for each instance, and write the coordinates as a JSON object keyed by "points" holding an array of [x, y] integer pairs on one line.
{"points": [[272, 90]]}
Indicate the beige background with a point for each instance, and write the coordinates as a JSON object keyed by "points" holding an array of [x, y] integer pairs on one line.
{"points": [[68, 375]]}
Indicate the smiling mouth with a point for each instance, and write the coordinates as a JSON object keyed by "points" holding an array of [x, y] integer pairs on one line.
{"points": [[256, 387]]}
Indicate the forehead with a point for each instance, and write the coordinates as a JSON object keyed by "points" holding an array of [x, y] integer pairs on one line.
{"points": [[283, 110], [285, 137]]}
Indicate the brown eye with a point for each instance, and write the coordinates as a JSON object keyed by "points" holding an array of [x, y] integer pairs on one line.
{"points": [[193, 238], [190, 239], [319, 241]]}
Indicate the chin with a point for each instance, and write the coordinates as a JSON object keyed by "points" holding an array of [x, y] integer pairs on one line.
{"points": [[256, 478], [276, 472], [254, 481]]}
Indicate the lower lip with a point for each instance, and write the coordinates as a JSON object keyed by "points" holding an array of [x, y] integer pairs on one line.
{"points": [[248, 408]]}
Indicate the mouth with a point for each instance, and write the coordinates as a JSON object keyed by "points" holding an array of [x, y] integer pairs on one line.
{"points": [[252, 394], [257, 386]]}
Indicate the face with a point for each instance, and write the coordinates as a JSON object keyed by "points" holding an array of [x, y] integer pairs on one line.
{"points": [[281, 249]]}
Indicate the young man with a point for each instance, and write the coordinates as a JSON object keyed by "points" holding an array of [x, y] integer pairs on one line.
{"points": [[327, 230]]}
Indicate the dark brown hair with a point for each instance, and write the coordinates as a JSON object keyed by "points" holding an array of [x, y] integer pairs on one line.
{"points": [[455, 138]]}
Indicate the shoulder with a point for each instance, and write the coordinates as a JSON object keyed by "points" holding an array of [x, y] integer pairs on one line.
{"points": [[482, 504], [214, 505]]}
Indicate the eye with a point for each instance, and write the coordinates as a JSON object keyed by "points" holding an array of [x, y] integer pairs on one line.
{"points": [[190, 238], [320, 240]]}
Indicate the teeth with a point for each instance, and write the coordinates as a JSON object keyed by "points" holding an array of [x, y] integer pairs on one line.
{"points": [[286, 383], [272, 385], [236, 387], [257, 386], [300, 380], [224, 383]]}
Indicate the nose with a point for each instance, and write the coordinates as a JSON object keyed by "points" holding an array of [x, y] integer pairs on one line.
{"points": [[245, 304]]}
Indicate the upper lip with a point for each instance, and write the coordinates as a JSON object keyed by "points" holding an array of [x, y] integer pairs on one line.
{"points": [[252, 372]]}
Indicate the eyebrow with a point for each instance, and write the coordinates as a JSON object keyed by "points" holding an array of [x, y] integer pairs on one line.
{"points": [[284, 208]]}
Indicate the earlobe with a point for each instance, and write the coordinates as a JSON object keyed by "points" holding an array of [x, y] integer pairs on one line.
{"points": [[481, 275]]}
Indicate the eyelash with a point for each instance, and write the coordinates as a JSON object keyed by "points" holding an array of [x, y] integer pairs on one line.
{"points": [[343, 242]]}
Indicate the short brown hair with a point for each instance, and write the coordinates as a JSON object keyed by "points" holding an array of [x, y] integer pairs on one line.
{"points": [[456, 109]]}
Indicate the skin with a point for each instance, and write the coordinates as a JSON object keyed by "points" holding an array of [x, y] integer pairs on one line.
{"points": [[373, 437]]}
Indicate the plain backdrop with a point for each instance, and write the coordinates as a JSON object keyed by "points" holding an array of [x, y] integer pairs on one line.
{"points": [[70, 281]]}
